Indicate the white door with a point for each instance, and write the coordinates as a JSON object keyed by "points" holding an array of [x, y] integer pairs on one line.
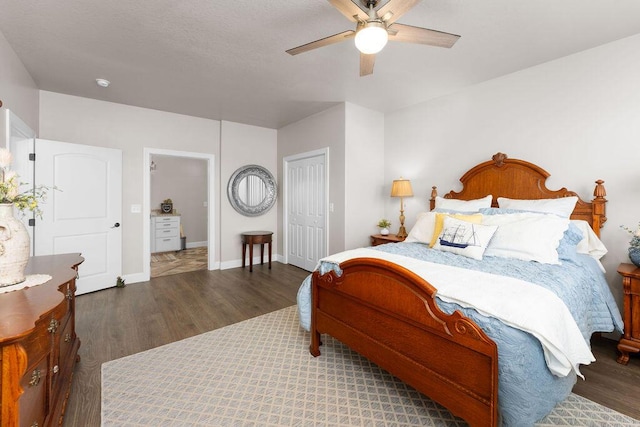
{"points": [[306, 211], [84, 214]]}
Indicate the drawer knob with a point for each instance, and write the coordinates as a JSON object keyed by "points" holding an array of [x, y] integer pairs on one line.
{"points": [[35, 378], [53, 326], [56, 369], [69, 294], [67, 337], [35, 424]]}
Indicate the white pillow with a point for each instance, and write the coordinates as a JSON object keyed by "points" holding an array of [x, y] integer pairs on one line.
{"points": [[526, 236], [562, 206], [464, 238], [422, 231], [590, 244], [464, 205]]}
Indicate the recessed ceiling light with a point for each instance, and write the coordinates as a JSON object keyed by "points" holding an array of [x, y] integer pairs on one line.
{"points": [[103, 82]]}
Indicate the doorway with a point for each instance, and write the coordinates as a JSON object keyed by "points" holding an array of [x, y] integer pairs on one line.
{"points": [[191, 243], [306, 201]]}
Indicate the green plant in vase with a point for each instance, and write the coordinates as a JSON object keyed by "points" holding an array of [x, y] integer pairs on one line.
{"points": [[384, 225]]}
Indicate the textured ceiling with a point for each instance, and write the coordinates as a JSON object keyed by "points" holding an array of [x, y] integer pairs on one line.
{"points": [[226, 60]]}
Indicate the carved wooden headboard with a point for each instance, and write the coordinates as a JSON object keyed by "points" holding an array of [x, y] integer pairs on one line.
{"points": [[518, 179]]}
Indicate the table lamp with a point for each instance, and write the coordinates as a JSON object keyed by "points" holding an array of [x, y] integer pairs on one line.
{"points": [[401, 188]]}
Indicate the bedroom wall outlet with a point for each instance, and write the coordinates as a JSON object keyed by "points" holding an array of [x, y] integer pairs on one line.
{"points": [[136, 208]]}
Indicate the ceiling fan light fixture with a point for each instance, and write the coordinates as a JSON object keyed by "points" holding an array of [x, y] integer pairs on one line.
{"points": [[371, 37]]}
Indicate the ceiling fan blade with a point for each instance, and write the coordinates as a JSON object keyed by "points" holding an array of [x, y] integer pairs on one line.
{"points": [[336, 38], [411, 34], [350, 9], [395, 9], [366, 64]]}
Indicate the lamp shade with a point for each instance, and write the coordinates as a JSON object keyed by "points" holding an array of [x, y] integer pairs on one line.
{"points": [[372, 37], [401, 188]]}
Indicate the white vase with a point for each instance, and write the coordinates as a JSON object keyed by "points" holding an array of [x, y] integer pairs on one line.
{"points": [[384, 231], [14, 247]]}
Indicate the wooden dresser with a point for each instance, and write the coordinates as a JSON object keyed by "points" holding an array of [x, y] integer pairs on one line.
{"points": [[38, 344]]}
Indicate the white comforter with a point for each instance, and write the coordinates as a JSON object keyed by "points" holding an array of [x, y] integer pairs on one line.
{"points": [[515, 302]]}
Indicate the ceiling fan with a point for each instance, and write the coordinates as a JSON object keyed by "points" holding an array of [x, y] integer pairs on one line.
{"points": [[375, 27]]}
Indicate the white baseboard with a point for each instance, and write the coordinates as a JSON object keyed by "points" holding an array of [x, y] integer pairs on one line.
{"points": [[191, 245], [238, 262], [134, 278]]}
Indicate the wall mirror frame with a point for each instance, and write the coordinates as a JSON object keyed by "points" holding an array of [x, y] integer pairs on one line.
{"points": [[252, 190]]}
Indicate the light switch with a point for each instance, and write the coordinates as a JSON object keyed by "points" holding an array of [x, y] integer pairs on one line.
{"points": [[330, 207]]}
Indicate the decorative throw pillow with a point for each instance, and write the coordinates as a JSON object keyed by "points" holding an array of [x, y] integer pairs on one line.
{"points": [[562, 206], [464, 237], [422, 231], [526, 236], [439, 223], [464, 205]]}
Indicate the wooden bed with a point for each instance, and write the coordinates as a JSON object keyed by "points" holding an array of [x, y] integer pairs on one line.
{"points": [[389, 315]]}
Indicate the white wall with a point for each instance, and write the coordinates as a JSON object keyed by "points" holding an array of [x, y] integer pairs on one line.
{"points": [[184, 181], [577, 117], [130, 129], [18, 91], [321, 130], [365, 187], [243, 145]]}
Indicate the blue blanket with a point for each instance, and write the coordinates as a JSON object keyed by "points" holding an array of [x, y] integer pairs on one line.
{"points": [[528, 391]]}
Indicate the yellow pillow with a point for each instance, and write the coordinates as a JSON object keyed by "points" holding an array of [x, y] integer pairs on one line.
{"points": [[474, 218]]}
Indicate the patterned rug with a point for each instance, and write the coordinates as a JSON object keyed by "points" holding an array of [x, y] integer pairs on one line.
{"points": [[259, 373]]}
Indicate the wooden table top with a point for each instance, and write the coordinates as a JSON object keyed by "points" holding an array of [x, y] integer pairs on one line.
{"points": [[257, 233]]}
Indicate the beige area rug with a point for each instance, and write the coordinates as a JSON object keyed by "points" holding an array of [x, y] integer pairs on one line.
{"points": [[168, 263], [259, 373]]}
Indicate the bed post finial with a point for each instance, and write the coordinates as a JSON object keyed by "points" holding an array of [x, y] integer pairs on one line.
{"points": [[599, 203], [499, 159], [432, 200]]}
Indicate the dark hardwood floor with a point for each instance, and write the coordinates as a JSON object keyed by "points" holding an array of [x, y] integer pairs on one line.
{"points": [[118, 322]]}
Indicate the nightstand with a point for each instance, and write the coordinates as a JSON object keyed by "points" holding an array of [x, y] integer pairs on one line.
{"points": [[630, 341], [379, 239]]}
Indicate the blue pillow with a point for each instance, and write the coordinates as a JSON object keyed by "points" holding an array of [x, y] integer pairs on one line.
{"points": [[568, 247]]}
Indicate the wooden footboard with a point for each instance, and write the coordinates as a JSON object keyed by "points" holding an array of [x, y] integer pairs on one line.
{"points": [[389, 315]]}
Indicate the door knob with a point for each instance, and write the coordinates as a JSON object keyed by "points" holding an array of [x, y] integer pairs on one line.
{"points": [[116, 225]]}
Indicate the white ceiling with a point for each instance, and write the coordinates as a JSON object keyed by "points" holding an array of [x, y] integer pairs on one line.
{"points": [[226, 60]]}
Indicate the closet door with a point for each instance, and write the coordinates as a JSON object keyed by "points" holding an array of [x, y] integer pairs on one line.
{"points": [[306, 211]]}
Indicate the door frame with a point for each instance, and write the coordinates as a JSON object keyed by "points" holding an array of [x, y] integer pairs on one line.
{"points": [[16, 127], [322, 152], [146, 204]]}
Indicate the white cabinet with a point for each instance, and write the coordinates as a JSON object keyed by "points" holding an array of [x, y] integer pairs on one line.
{"points": [[165, 233]]}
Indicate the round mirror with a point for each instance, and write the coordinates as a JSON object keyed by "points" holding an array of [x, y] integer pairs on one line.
{"points": [[252, 190]]}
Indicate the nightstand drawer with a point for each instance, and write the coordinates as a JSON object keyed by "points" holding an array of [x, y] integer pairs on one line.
{"points": [[381, 239]]}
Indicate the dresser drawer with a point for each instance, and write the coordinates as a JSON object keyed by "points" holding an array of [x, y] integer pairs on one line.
{"points": [[32, 403], [167, 232], [167, 221], [168, 244]]}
